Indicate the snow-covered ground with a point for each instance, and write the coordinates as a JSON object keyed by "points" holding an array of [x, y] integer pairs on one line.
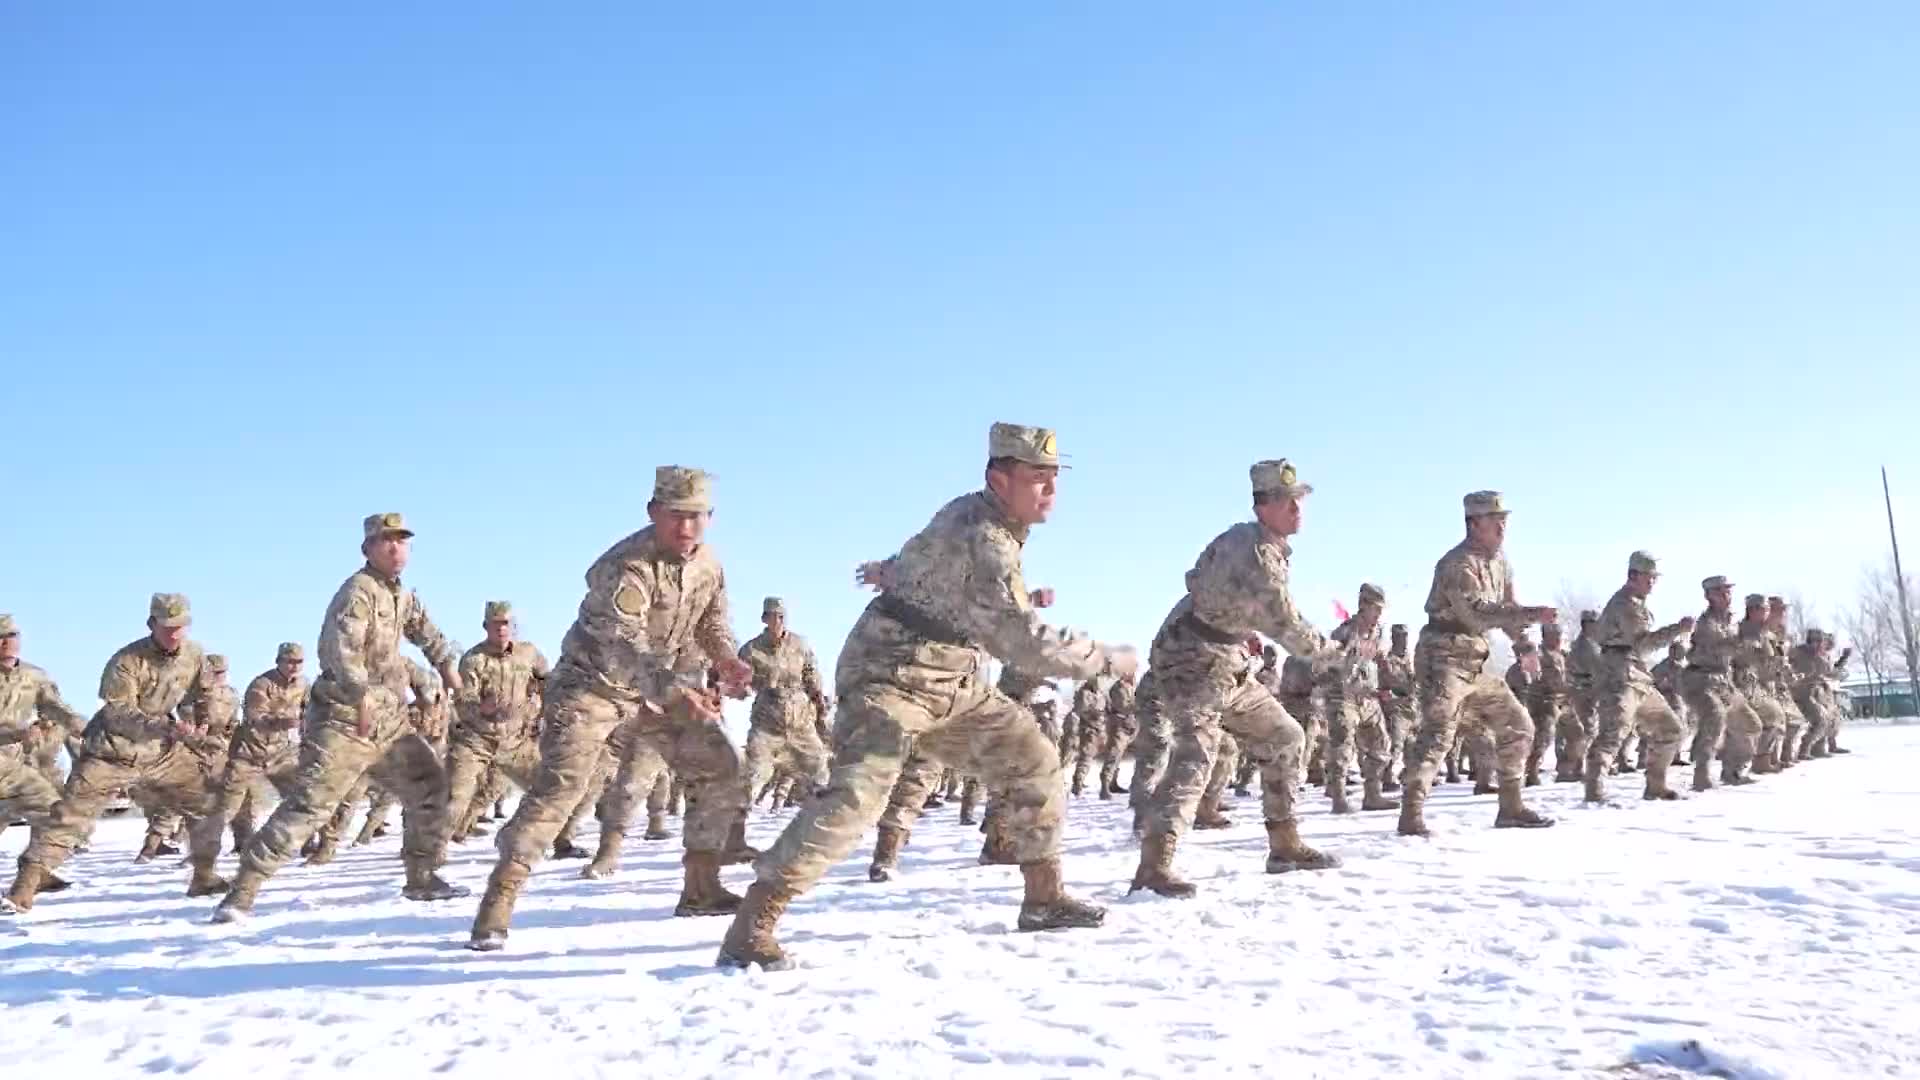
{"points": [[1772, 931]]}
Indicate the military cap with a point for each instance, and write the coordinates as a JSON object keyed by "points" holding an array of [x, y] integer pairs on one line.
{"points": [[1482, 503], [1372, 594], [169, 609], [1814, 636], [1775, 601], [1399, 628], [216, 662], [378, 525], [1588, 616], [772, 605], [1032, 445], [1717, 581], [1755, 600], [290, 650], [1523, 647], [676, 487], [1641, 562], [1548, 630], [8, 627], [1277, 477], [498, 611]]}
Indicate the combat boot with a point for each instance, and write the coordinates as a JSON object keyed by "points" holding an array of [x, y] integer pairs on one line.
{"points": [[426, 886], [1412, 802], [656, 826], [565, 848], [1316, 773], [1047, 906], [1732, 773], [496, 907], [737, 850], [1156, 869], [205, 882], [323, 854], [703, 894], [1702, 773], [935, 802], [26, 886], [48, 882], [1453, 771], [1114, 785], [149, 849], [1372, 797], [1079, 782], [1287, 852], [312, 845], [1483, 779], [750, 941], [1514, 813], [967, 799], [996, 850], [1657, 789], [1337, 795], [1834, 747], [606, 858], [1532, 778], [1818, 749], [366, 834], [477, 830], [238, 903], [1789, 748], [1208, 815], [886, 853], [1596, 782]]}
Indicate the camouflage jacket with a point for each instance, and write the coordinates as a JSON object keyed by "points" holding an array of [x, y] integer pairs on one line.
{"points": [[1472, 595], [1120, 698], [508, 676], [651, 623], [360, 639], [1715, 646], [1583, 663], [1089, 703], [785, 676], [1625, 634], [1554, 686], [1237, 588], [270, 712], [1357, 680], [29, 697], [144, 691]]}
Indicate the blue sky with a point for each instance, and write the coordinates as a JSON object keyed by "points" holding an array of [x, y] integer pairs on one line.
{"points": [[1650, 271]]}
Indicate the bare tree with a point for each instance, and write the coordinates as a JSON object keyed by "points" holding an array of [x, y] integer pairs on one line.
{"points": [[1570, 600], [1801, 616]]}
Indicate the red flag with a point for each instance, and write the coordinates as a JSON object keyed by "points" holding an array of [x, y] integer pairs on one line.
{"points": [[1339, 612]]}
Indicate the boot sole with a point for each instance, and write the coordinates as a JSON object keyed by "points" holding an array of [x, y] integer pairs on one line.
{"points": [[1547, 823], [777, 963], [487, 944]]}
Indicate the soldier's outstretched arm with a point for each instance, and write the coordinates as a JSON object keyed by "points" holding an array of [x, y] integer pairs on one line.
{"points": [[54, 709], [999, 610], [430, 641]]}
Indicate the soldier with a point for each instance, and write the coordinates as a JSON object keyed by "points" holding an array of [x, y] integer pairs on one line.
{"points": [[910, 672], [1149, 752], [1778, 679], [136, 741], [1523, 677], [1396, 700], [1711, 686], [1122, 726], [1549, 701], [1090, 708], [1472, 594], [1353, 712], [261, 752], [998, 847], [216, 712], [357, 725], [421, 713], [1237, 588], [1829, 675], [654, 616], [32, 715], [1577, 725], [494, 715], [787, 696], [1666, 679], [1753, 674], [1626, 698]]}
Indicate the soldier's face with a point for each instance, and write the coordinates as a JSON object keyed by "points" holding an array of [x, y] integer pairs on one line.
{"points": [[1281, 516], [1025, 490], [1489, 531], [289, 668], [10, 647], [388, 553], [776, 624], [1550, 641], [1720, 599], [1777, 617], [1399, 643], [212, 677], [678, 531], [1639, 584], [499, 632], [1369, 616], [168, 638]]}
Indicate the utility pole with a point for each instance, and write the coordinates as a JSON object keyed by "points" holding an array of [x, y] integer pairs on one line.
{"points": [[1900, 586]]}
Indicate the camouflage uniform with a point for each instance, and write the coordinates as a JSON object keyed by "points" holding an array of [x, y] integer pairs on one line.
{"points": [[135, 742], [362, 680], [32, 715], [1754, 673], [1813, 676], [422, 714], [787, 693], [1122, 726], [1237, 588], [1018, 687], [1472, 594], [1577, 725], [1149, 751], [1710, 684], [1666, 679], [1089, 710], [1626, 698], [910, 676], [1547, 706], [215, 714], [261, 756], [1525, 686], [507, 678], [1354, 720], [1402, 711], [648, 625]]}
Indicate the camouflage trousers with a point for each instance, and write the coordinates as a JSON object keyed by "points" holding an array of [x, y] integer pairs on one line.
{"points": [[1547, 718], [1088, 737], [577, 729], [241, 790], [477, 753], [1355, 724], [160, 776], [1677, 702], [963, 723], [1724, 722], [796, 750], [1454, 691], [1198, 712], [335, 760], [1149, 761], [1402, 720], [1631, 705], [1773, 718], [1577, 730], [640, 774], [24, 790], [908, 797], [1121, 730], [1817, 718]]}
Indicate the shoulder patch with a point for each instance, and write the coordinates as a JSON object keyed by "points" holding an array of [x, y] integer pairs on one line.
{"points": [[628, 601]]}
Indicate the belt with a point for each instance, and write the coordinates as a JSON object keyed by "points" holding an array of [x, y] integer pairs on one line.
{"points": [[1203, 629], [1707, 670], [919, 622], [1616, 648], [1449, 626]]}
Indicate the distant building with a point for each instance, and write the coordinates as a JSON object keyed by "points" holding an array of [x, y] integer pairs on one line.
{"points": [[1879, 698]]}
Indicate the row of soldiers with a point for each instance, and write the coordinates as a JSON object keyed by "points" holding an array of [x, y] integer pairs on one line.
{"points": [[651, 654]]}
